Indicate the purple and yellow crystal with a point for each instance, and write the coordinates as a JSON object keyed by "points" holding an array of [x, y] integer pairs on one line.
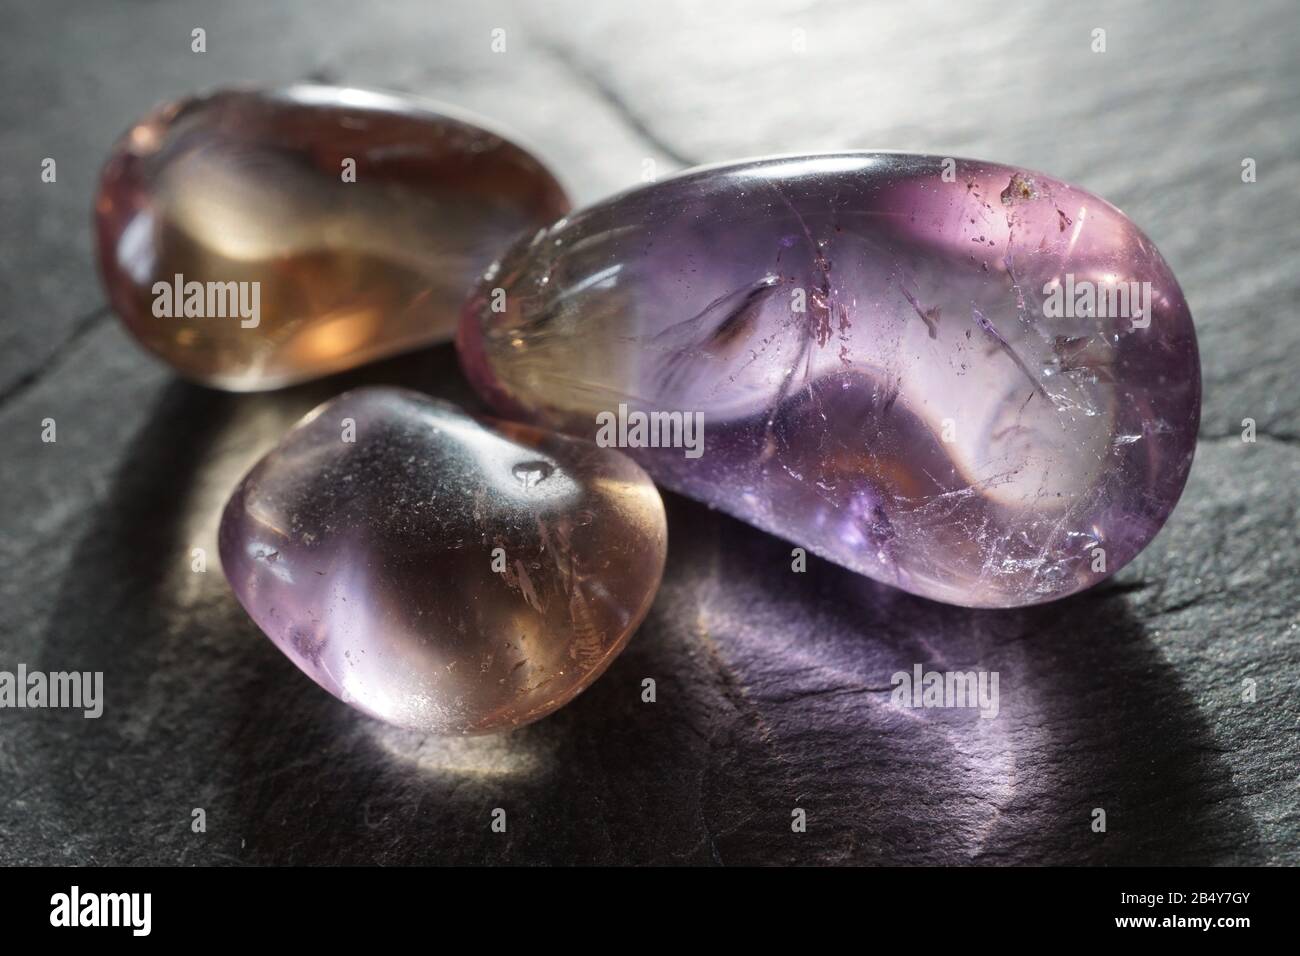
{"points": [[895, 363]]}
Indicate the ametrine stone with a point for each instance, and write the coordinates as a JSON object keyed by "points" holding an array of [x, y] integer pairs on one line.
{"points": [[897, 359], [253, 239], [441, 572]]}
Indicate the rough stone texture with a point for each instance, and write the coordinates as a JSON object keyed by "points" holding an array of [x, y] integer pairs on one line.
{"points": [[772, 687]]}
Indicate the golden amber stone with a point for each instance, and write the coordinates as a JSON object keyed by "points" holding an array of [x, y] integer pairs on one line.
{"points": [[253, 239]]}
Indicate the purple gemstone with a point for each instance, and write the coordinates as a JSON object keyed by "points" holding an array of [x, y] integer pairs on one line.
{"points": [[441, 572], [972, 382]]}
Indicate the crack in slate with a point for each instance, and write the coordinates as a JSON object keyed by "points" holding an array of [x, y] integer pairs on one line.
{"points": [[29, 379], [616, 102]]}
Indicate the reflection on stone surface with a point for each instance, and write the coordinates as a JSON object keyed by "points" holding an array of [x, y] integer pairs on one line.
{"points": [[361, 217], [440, 572], [892, 364]]}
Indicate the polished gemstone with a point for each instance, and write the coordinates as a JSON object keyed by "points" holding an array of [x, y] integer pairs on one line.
{"points": [[441, 572], [970, 381], [253, 239]]}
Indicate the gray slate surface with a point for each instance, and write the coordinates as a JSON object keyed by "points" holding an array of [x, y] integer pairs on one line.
{"points": [[772, 687]]}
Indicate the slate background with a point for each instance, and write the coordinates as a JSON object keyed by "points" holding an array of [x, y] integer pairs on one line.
{"points": [[773, 687]]}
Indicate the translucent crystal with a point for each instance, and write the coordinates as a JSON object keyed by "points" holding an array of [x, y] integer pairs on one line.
{"points": [[894, 357], [352, 221], [441, 572]]}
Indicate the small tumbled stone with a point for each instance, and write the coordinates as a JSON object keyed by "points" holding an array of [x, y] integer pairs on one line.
{"points": [[253, 239], [969, 381], [441, 572]]}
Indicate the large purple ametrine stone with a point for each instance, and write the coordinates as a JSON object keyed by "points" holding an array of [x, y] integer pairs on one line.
{"points": [[967, 380]]}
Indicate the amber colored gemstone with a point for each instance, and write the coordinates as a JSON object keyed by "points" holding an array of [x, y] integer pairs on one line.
{"points": [[253, 239]]}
